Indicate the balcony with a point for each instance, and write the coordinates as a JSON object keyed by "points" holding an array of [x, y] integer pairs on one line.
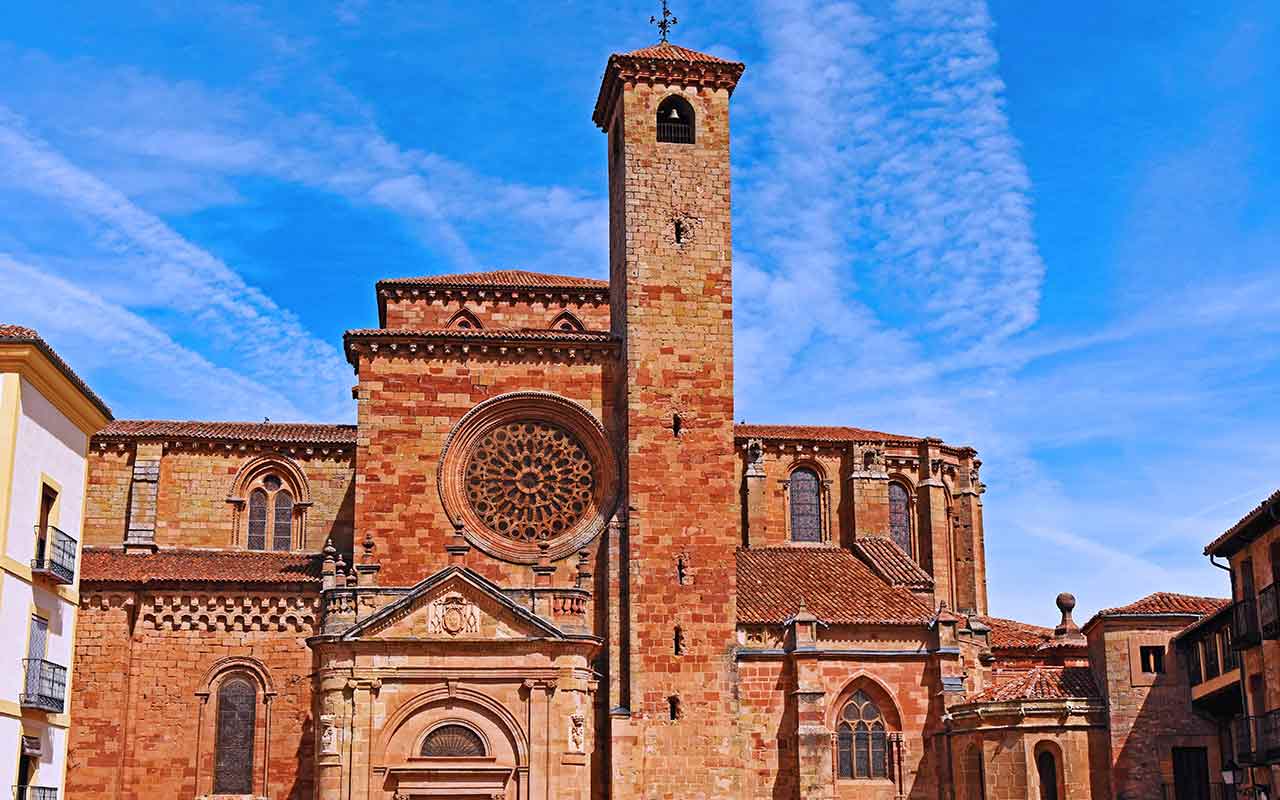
{"points": [[55, 555], [1244, 624], [1211, 791], [35, 793], [1269, 611], [1257, 738], [45, 686]]}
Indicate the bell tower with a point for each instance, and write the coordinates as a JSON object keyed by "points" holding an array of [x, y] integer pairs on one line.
{"points": [[665, 110]]}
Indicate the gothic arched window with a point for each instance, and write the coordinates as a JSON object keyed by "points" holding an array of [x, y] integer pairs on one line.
{"points": [[805, 491], [862, 740], [675, 121], [233, 745], [270, 509], [453, 741], [900, 517]]}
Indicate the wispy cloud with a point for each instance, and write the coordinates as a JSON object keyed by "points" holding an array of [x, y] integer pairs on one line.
{"points": [[96, 335], [265, 341]]}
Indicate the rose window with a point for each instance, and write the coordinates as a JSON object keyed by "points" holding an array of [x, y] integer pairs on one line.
{"points": [[529, 480]]}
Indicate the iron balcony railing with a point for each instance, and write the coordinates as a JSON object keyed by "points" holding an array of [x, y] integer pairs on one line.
{"points": [[1244, 624], [45, 686], [35, 793], [675, 132], [1269, 611], [55, 555], [1204, 791]]}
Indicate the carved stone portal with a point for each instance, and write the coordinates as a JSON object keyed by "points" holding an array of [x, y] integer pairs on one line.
{"points": [[453, 615]]}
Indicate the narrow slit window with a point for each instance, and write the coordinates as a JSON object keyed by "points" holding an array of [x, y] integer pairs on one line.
{"points": [[681, 568], [677, 641], [673, 707]]}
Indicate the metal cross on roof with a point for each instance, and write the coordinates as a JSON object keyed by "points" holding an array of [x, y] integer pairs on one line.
{"points": [[666, 22]]}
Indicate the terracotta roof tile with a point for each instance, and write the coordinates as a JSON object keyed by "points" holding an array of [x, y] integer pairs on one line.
{"points": [[835, 584], [1013, 635], [821, 433], [19, 334], [210, 566], [1229, 533], [1167, 603], [500, 279], [674, 52], [534, 335], [891, 563], [1043, 683], [271, 432]]}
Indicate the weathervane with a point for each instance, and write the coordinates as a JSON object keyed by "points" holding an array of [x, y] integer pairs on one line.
{"points": [[664, 24]]}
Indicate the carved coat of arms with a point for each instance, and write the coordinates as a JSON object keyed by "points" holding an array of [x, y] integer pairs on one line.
{"points": [[453, 615]]}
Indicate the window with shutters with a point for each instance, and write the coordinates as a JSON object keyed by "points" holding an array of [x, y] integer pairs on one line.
{"points": [[233, 745], [804, 490], [862, 740], [453, 741]]}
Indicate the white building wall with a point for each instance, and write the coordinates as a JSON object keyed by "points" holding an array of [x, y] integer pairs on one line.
{"points": [[45, 447]]}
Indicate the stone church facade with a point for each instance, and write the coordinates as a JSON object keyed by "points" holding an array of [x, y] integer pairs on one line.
{"points": [[546, 563]]}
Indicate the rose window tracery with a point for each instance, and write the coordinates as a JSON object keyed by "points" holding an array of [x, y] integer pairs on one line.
{"points": [[529, 480]]}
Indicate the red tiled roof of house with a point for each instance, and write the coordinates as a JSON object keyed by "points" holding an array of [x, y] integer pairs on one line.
{"points": [[891, 563], [1167, 603], [1043, 683], [101, 565], [1011, 634], [271, 432], [500, 279], [19, 334], [674, 52], [834, 583], [1229, 533], [820, 433]]}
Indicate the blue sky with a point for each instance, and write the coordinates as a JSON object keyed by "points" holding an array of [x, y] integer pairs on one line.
{"points": [[1047, 230]]}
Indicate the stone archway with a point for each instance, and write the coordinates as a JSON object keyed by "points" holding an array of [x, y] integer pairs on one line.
{"points": [[492, 764]]}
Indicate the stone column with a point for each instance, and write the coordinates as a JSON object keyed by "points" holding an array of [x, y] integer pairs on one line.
{"points": [[869, 485], [934, 525], [755, 488], [332, 738]]}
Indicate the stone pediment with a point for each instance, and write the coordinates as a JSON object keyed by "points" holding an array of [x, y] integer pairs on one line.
{"points": [[455, 604]]}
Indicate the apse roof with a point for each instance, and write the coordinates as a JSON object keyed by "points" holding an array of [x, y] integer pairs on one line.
{"points": [[833, 583]]}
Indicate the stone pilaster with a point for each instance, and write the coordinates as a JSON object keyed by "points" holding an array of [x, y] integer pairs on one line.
{"points": [[970, 556], [813, 737], [868, 484], [140, 533], [935, 524], [754, 479]]}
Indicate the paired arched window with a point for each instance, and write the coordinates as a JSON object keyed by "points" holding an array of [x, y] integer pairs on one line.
{"points": [[862, 740], [270, 514], [675, 121], [453, 741], [233, 743], [805, 493], [900, 517]]}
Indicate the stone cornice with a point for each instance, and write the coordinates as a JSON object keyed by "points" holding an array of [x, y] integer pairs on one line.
{"points": [[548, 345], [624, 69], [229, 446], [67, 394]]}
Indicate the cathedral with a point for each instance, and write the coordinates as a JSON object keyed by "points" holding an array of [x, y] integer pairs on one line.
{"points": [[545, 563]]}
